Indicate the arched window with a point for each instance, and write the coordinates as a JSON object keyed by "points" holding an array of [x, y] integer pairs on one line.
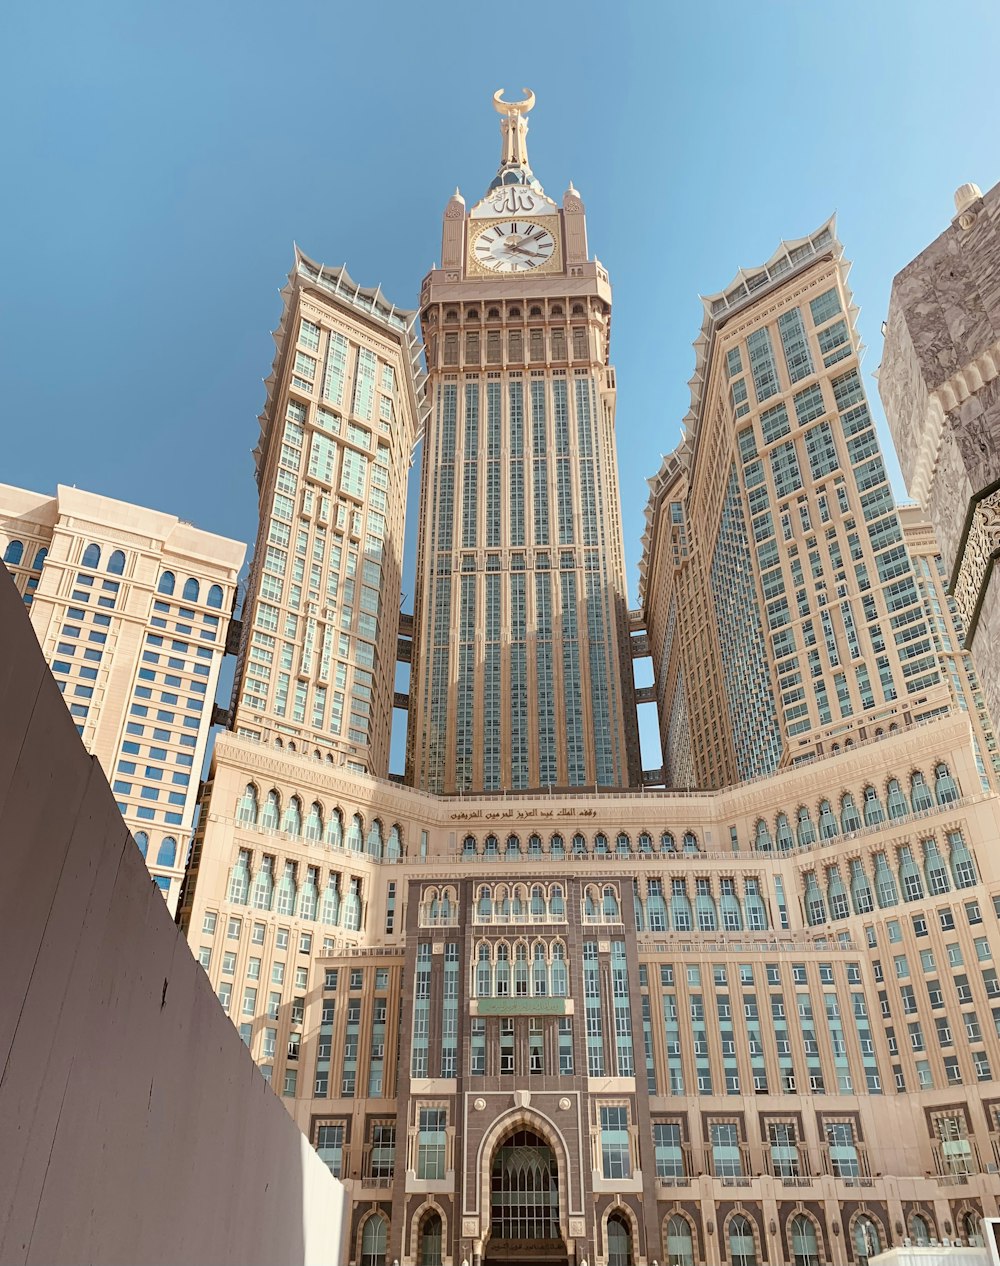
{"points": [[898, 807], [469, 846], [166, 584], [945, 787], [866, 1240], [356, 834], [503, 970], [14, 553], [850, 819], [783, 834], [167, 853], [373, 1241], [600, 844], [539, 971], [742, 1247], [802, 1239], [394, 845], [271, 815], [91, 556], [619, 1242], [557, 907], [623, 846], [141, 842], [762, 839], [215, 596], [690, 842], [116, 563], [679, 1243], [537, 902], [330, 908], [970, 1228], [287, 890], [246, 811], [919, 1229], [579, 846], [920, 793], [827, 821], [804, 830], [560, 981], [484, 972], [524, 1182], [335, 829], [374, 843], [292, 825], [874, 813], [612, 913], [557, 847], [40, 557], [310, 894], [521, 973], [667, 844], [192, 590], [430, 1241], [314, 823]]}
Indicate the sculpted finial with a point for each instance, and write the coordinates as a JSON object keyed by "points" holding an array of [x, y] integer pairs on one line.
{"points": [[514, 130], [513, 107]]}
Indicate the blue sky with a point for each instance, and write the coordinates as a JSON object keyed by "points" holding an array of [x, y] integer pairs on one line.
{"points": [[162, 158]]}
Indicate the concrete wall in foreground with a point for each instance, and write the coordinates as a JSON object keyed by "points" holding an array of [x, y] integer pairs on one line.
{"points": [[134, 1127]]}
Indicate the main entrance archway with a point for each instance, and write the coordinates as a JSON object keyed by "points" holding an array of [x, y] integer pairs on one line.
{"points": [[524, 1203]]}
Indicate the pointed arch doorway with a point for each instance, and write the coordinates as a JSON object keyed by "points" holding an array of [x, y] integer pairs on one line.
{"points": [[524, 1203]]}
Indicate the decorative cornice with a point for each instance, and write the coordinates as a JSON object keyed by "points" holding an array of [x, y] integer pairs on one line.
{"points": [[979, 551], [962, 384]]}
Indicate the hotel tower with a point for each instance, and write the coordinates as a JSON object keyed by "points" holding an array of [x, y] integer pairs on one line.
{"points": [[528, 1011]]}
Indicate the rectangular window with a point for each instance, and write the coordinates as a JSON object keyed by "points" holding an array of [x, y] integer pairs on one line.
{"points": [[615, 1151], [431, 1143]]}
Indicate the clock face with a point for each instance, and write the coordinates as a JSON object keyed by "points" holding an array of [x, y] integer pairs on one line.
{"points": [[513, 246]]}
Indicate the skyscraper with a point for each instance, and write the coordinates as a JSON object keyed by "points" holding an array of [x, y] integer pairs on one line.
{"points": [[751, 1020], [784, 617], [131, 608], [522, 674], [320, 621]]}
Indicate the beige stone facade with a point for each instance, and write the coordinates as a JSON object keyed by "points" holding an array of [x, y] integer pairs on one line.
{"points": [[131, 607], [342, 415], [807, 961], [788, 622], [753, 1018], [522, 669]]}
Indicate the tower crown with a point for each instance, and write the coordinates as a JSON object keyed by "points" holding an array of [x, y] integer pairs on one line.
{"points": [[514, 166]]}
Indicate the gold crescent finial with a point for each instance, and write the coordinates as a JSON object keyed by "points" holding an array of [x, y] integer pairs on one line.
{"points": [[513, 107]]}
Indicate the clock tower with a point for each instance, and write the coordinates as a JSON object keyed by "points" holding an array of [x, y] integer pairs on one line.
{"points": [[521, 674]]}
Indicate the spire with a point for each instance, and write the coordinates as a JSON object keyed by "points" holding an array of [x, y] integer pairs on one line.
{"points": [[514, 166]]}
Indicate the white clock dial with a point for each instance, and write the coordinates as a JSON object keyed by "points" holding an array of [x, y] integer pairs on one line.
{"points": [[513, 246]]}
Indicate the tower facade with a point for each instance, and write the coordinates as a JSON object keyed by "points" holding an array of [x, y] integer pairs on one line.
{"points": [[320, 620], [791, 616], [752, 1020], [522, 675], [131, 608]]}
